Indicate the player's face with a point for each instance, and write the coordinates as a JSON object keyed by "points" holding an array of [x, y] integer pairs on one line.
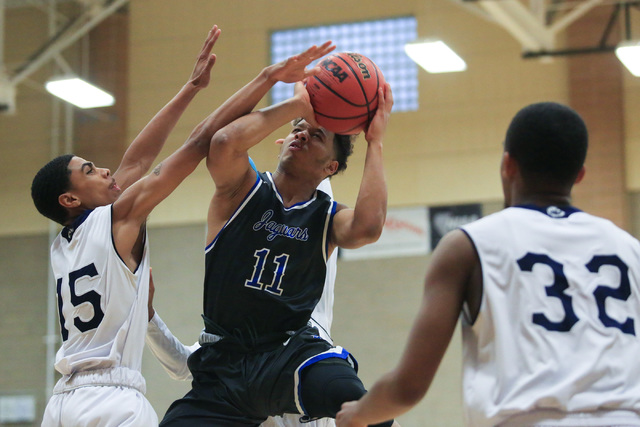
{"points": [[309, 144], [92, 185]]}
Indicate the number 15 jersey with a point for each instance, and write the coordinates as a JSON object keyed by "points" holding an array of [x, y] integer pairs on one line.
{"points": [[559, 319], [102, 304]]}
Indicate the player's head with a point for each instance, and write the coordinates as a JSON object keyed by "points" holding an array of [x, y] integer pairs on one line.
{"points": [[68, 184], [332, 149], [549, 143], [342, 146], [49, 183]]}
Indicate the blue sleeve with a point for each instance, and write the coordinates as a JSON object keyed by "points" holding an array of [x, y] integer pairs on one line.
{"points": [[253, 165]]}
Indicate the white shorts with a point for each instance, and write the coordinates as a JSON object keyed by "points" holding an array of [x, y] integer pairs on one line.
{"points": [[292, 420], [99, 406], [551, 418]]}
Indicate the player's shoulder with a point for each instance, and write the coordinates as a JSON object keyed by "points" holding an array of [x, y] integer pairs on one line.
{"points": [[88, 219], [325, 187]]}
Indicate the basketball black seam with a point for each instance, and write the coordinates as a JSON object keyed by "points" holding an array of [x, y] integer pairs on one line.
{"points": [[340, 96], [364, 93], [341, 118]]}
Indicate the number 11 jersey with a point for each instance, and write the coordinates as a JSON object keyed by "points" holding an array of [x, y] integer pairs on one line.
{"points": [[265, 270]]}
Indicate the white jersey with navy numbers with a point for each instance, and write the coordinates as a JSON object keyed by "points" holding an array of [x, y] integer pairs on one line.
{"points": [[102, 304], [556, 340]]}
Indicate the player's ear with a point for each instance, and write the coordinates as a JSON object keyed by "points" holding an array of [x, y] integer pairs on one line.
{"points": [[332, 167], [279, 141], [68, 200], [509, 166], [580, 176]]}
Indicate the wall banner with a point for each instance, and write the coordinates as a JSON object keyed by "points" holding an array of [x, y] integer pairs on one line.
{"points": [[405, 233], [443, 219]]}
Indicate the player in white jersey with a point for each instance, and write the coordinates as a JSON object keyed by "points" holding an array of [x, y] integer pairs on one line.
{"points": [[571, 346], [100, 262], [550, 297], [105, 220], [173, 355]]}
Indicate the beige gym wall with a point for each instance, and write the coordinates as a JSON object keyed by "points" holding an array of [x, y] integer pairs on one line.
{"points": [[446, 152], [454, 139]]}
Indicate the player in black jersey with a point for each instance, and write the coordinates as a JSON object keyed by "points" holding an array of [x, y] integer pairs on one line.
{"points": [[269, 236]]}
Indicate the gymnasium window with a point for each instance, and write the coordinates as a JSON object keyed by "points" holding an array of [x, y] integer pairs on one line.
{"points": [[382, 41]]}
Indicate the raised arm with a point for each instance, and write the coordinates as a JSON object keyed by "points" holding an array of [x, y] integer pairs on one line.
{"points": [[135, 204], [137, 201], [228, 159], [147, 145], [363, 224], [452, 267]]}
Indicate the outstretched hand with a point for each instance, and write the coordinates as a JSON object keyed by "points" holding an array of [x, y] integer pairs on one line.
{"points": [[376, 129], [294, 68], [344, 418], [300, 92], [201, 74]]}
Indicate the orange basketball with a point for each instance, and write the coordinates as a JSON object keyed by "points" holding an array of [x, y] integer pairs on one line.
{"points": [[344, 94]]}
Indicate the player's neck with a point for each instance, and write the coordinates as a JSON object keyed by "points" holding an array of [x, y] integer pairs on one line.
{"points": [[293, 189], [542, 199]]}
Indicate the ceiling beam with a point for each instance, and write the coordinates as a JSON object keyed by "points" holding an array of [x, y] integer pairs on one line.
{"points": [[77, 28], [574, 15], [520, 22]]}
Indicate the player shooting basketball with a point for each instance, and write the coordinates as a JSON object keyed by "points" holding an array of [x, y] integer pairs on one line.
{"points": [[269, 239]]}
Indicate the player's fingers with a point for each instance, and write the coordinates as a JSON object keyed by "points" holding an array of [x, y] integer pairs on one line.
{"points": [[308, 72], [210, 40], [211, 62], [316, 52], [308, 55], [381, 99], [325, 48], [216, 34], [388, 95]]}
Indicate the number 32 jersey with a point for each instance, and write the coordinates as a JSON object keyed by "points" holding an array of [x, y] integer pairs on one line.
{"points": [[559, 319], [102, 305]]}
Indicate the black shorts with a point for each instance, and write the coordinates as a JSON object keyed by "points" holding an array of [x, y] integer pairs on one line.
{"points": [[237, 388]]}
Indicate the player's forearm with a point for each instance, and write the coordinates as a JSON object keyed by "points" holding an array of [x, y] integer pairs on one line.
{"points": [[249, 130], [136, 203], [242, 102], [239, 104], [168, 349], [380, 404], [370, 210], [147, 145]]}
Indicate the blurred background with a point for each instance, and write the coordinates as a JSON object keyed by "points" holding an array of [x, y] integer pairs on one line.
{"points": [[442, 148]]}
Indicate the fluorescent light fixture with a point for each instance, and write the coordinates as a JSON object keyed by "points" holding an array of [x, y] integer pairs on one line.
{"points": [[628, 52], [435, 56], [79, 93]]}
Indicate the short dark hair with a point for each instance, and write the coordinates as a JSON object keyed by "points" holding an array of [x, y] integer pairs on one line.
{"points": [[49, 183], [342, 145], [548, 141]]}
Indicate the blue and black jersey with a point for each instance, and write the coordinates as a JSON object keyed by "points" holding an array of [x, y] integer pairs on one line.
{"points": [[265, 270]]}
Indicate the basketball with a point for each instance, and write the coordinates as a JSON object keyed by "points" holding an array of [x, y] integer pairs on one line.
{"points": [[344, 94]]}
